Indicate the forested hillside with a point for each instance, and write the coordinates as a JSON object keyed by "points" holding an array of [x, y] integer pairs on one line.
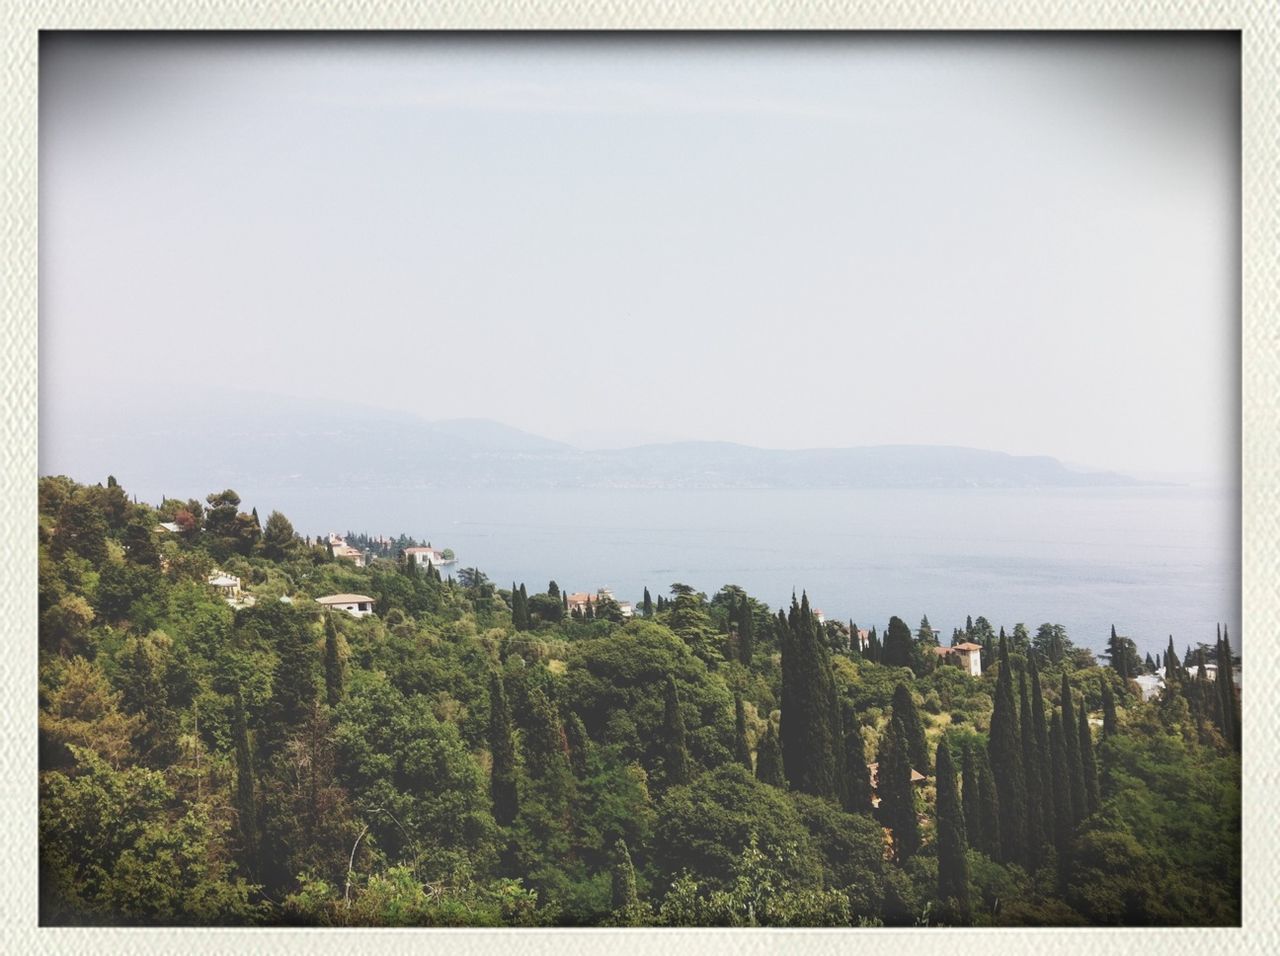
{"points": [[475, 755]]}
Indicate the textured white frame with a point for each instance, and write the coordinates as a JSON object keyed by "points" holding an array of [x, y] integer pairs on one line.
{"points": [[1259, 23]]}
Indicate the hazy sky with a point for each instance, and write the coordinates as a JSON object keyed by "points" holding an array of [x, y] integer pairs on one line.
{"points": [[1025, 244]]}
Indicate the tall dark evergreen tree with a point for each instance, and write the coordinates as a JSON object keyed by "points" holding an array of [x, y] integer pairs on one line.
{"points": [[1005, 752], [579, 744], [971, 799], [809, 727], [897, 799], [1088, 765], [741, 749], [857, 791], [953, 863], [904, 708], [675, 752], [1109, 721], [246, 802], [624, 877], [1228, 702], [746, 632], [502, 780], [1170, 661], [769, 759], [989, 804], [646, 608], [1031, 772], [335, 667], [1040, 725], [1064, 821], [1075, 766], [897, 644]]}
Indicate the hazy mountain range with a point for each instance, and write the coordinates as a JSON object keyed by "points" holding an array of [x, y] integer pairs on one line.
{"points": [[183, 445]]}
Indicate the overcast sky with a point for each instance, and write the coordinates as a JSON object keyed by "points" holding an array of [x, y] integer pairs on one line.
{"points": [[1023, 244]]}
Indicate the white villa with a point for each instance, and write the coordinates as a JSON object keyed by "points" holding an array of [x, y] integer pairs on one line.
{"points": [[357, 605], [422, 556], [579, 601]]}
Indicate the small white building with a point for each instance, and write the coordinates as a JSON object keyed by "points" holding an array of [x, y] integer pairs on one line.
{"points": [[227, 585], [1150, 684], [357, 605], [421, 557], [170, 526], [580, 601]]}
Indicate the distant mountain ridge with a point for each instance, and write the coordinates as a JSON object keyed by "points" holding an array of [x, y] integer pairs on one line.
{"points": [[268, 440]]}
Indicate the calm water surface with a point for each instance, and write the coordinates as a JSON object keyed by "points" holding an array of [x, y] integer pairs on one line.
{"points": [[1153, 561]]}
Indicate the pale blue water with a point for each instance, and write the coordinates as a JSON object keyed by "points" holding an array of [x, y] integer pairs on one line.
{"points": [[1153, 561]]}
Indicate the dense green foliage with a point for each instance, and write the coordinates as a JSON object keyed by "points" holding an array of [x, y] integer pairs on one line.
{"points": [[469, 755]]}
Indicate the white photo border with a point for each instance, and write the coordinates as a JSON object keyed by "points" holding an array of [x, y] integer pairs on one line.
{"points": [[1259, 24]]}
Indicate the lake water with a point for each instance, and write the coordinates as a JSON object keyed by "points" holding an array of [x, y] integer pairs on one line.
{"points": [[1154, 561]]}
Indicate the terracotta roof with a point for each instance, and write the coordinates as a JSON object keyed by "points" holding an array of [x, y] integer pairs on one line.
{"points": [[344, 599], [916, 776], [968, 646]]}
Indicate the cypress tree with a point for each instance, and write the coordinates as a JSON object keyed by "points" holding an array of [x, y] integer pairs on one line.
{"points": [[553, 590], [1041, 727], [857, 793], [1031, 771], [989, 803], [742, 750], [675, 752], [546, 748], [1063, 821], [897, 644], [502, 781], [335, 668], [904, 708], [953, 864], [246, 803], [855, 644], [897, 799], [1229, 706], [1075, 766], [746, 632], [1005, 752], [1170, 662], [579, 744], [971, 799], [1109, 721], [1092, 798], [624, 878], [809, 728], [647, 611], [769, 760]]}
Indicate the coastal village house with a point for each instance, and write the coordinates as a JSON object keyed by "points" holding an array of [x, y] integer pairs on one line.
{"points": [[420, 557], [579, 601], [968, 655], [344, 551], [357, 605]]}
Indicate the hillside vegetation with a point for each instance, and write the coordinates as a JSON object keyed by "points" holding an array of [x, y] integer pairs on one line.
{"points": [[470, 755]]}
